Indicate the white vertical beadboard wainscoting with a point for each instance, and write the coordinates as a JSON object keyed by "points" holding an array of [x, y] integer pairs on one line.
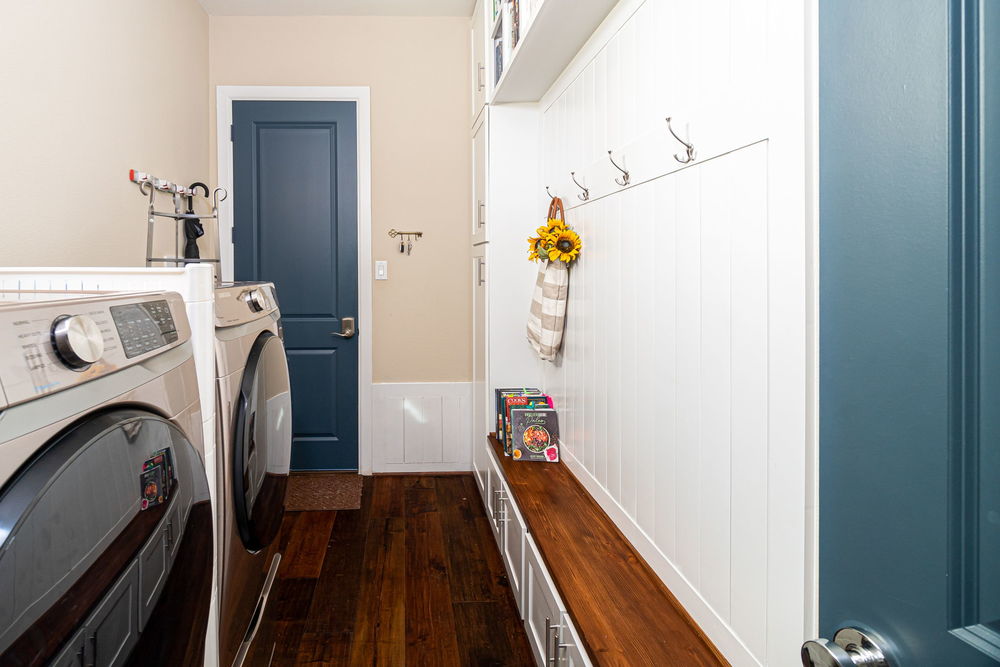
{"points": [[682, 382], [422, 427]]}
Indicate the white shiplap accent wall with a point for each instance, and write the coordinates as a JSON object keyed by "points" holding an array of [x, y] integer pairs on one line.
{"points": [[422, 427], [682, 379]]}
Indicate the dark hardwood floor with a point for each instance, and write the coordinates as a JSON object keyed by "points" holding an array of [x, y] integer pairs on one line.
{"points": [[412, 578]]}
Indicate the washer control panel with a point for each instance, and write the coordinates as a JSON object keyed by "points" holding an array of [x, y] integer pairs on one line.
{"points": [[144, 327], [50, 341]]}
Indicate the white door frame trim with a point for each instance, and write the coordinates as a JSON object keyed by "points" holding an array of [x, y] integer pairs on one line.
{"points": [[224, 98]]}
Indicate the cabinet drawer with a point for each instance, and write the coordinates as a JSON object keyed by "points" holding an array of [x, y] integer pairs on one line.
{"points": [[543, 610]]}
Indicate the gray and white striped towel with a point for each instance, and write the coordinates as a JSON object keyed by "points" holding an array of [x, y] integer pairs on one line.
{"points": [[548, 309]]}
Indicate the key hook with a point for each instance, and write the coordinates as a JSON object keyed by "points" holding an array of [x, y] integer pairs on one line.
{"points": [[690, 153], [625, 179], [586, 192]]}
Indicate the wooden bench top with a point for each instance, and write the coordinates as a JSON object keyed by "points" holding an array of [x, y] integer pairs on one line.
{"points": [[622, 611]]}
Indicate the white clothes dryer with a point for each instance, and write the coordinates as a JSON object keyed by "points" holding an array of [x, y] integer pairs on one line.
{"points": [[255, 438]]}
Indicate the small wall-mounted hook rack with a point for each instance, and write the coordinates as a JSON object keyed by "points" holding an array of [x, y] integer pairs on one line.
{"points": [[406, 239], [690, 154], [625, 179], [586, 192]]}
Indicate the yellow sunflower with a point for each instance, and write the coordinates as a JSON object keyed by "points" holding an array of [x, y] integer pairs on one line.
{"points": [[565, 246], [554, 226], [534, 247]]}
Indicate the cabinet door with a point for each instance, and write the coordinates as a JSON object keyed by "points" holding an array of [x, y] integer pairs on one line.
{"points": [[478, 58], [72, 654], [495, 488], [481, 416], [113, 629], [513, 534], [570, 650], [543, 610], [479, 166], [480, 462]]}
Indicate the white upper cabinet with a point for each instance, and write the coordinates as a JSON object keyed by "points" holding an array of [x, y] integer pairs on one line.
{"points": [[479, 74], [535, 40]]}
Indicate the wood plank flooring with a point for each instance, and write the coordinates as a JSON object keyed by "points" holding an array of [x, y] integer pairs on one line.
{"points": [[412, 578]]}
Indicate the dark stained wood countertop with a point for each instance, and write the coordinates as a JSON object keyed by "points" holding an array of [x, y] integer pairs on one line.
{"points": [[622, 611]]}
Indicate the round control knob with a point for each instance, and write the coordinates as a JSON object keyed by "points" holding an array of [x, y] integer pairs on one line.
{"points": [[256, 300], [78, 340]]}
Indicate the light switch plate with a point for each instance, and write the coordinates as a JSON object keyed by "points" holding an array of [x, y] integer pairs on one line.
{"points": [[381, 269]]}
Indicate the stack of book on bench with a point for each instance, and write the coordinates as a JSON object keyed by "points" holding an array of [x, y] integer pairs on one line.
{"points": [[527, 424]]}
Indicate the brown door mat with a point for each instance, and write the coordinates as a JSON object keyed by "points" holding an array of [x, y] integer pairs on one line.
{"points": [[323, 491]]}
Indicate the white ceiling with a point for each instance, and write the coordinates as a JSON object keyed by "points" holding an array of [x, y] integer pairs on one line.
{"points": [[338, 7]]}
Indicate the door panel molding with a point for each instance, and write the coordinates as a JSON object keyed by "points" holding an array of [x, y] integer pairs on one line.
{"points": [[361, 95]]}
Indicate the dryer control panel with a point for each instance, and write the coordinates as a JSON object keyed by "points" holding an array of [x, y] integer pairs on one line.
{"points": [[50, 341]]}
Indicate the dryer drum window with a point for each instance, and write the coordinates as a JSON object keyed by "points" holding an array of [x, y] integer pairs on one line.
{"points": [[262, 443], [85, 573]]}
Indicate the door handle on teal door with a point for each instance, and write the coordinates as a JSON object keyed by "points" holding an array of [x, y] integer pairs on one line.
{"points": [[347, 328]]}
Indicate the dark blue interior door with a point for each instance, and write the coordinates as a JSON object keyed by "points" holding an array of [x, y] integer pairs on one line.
{"points": [[910, 326], [296, 222]]}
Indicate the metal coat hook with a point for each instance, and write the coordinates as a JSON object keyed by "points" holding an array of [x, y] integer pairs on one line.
{"points": [[586, 192], [551, 196], [625, 179], [216, 200], [690, 155]]}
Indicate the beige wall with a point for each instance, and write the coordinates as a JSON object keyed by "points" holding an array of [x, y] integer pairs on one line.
{"points": [[89, 90], [417, 69]]}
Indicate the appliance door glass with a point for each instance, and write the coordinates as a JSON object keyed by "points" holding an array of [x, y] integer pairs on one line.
{"points": [[106, 546], [262, 443]]}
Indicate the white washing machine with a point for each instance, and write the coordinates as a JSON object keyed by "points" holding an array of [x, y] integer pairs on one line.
{"points": [[196, 285], [255, 438], [105, 514]]}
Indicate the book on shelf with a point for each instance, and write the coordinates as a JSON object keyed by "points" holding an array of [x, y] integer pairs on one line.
{"points": [[515, 23], [500, 394], [505, 33], [537, 400], [535, 434], [497, 60]]}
